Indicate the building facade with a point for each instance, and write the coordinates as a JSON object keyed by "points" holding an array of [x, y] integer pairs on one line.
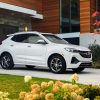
{"points": [[70, 17]]}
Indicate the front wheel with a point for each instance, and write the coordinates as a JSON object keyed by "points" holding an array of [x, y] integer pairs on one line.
{"points": [[57, 64], [78, 69], [6, 61]]}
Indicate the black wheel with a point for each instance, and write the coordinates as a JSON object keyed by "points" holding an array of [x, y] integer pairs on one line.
{"points": [[78, 69], [30, 66], [57, 64], [6, 61]]}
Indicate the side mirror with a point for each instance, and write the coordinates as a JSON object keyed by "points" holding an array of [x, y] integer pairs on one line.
{"points": [[41, 42]]}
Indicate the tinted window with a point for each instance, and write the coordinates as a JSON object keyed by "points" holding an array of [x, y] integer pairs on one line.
{"points": [[33, 38], [20, 38], [55, 39], [26, 38]]}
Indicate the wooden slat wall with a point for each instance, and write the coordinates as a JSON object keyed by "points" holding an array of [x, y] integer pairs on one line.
{"points": [[84, 16], [51, 21], [93, 9], [31, 4]]}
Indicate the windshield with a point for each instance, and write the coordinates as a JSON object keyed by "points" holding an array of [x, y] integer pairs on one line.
{"points": [[55, 39]]}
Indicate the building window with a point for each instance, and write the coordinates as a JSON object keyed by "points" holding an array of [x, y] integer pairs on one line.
{"points": [[98, 5], [70, 16]]}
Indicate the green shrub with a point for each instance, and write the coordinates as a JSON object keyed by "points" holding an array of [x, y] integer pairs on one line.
{"points": [[91, 92], [95, 49]]}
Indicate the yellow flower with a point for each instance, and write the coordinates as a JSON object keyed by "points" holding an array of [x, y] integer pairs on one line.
{"points": [[36, 97], [59, 83], [49, 96], [44, 85], [5, 94], [22, 95], [86, 99], [42, 94], [50, 83], [75, 87], [67, 86], [27, 78], [35, 86], [75, 77], [65, 97], [74, 95], [7, 99], [36, 91], [80, 91], [79, 97], [28, 96], [56, 89], [1, 93]]}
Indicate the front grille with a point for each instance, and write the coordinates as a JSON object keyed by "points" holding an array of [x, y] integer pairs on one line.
{"points": [[85, 54], [86, 65]]}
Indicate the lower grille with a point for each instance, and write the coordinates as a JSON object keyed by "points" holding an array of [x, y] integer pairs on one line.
{"points": [[86, 65]]}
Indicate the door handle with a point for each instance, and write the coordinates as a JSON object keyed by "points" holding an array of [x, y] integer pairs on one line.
{"points": [[28, 46], [11, 45]]}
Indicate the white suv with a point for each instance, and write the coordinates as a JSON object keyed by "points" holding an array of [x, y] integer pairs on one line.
{"points": [[43, 49]]}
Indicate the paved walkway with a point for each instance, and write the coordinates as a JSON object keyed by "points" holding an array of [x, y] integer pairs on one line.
{"points": [[88, 76]]}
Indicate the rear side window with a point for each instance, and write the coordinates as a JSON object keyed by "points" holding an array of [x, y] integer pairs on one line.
{"points": [[20, 38]]}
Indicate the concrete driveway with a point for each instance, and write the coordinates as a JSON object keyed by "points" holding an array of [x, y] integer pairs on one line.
{"points": [[88, 76]]}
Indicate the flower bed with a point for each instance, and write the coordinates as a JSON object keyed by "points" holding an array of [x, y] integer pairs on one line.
{"points": [[58, 90], [53, 90]]}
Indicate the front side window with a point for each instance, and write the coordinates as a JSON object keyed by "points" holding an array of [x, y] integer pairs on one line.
{"points": [[55, 39], [33, 38]]}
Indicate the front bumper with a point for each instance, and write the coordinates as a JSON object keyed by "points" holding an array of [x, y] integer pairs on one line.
{"points": [[75, 60]]}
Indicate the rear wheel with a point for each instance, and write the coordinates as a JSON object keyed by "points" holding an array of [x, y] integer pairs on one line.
{"points": [[57, 64], [30, 66], [78, 69], [6, 61]]}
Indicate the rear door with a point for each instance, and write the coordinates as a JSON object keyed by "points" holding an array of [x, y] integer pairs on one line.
{"points": [[19, 48]]}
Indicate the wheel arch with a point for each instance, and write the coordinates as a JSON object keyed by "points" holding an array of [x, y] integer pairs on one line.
{"points": [[5, 52], [50, 56]]}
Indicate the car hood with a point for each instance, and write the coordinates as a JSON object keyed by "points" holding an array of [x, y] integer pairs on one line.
{"points": [[81, 48]]}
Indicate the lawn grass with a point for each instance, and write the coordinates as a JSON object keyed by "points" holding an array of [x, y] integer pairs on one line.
{"points": [[15, 84]]}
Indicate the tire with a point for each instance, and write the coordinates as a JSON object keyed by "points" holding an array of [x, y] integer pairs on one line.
{"points": [[30, 66], [57, 64], [78, 69], [6, 61]]}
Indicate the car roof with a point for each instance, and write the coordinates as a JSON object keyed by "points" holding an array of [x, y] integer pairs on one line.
{"points": [[34, 32]]}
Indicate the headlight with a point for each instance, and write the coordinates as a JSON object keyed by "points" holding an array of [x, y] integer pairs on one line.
{"points": [[71, 50]]}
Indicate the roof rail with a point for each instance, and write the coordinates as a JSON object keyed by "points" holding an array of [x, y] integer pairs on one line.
{"points": [[10, 35]]}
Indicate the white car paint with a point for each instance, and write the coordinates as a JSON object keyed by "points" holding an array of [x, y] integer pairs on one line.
{"points": [[38, 54]]}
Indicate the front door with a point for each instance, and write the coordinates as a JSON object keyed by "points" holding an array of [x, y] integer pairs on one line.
{"points": [[36, 53]]}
